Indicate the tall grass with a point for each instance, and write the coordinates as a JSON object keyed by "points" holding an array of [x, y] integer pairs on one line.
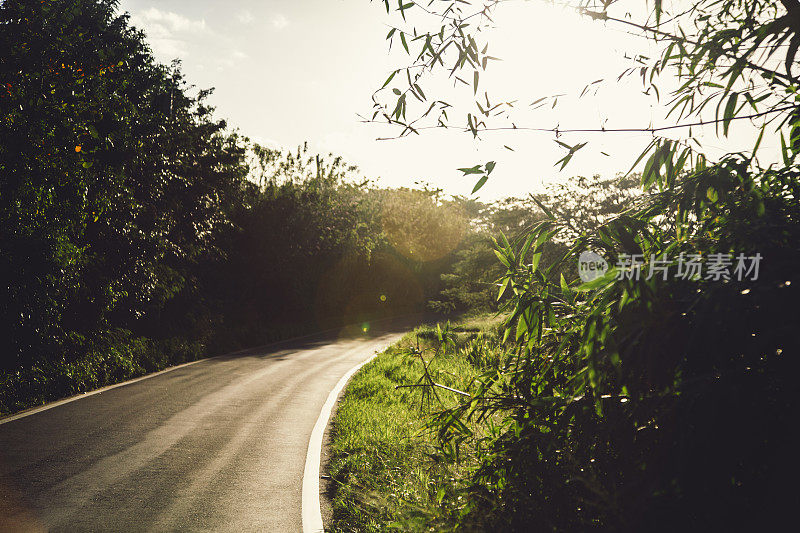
{"points": [[388, 471]]}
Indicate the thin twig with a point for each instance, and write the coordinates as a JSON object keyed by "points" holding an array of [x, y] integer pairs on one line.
{"points": [[434, 384], [594, 130]]}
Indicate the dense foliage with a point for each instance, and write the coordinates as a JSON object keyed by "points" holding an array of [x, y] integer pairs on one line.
{"points": [[656, 403], [112, 181]]}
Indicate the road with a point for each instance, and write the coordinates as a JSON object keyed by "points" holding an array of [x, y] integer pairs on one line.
{"points": [[219, 445]]}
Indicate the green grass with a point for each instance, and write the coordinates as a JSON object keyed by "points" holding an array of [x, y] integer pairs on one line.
{"points": [[386, 468]]}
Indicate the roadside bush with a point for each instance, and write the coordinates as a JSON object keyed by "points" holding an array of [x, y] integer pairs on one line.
{"points": [[649, 404]]}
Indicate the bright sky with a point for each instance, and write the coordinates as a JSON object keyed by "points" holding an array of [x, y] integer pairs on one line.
{"points": [[289, 71]]}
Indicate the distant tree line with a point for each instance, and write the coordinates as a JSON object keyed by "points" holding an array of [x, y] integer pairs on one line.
{"points": [[470, 284]]}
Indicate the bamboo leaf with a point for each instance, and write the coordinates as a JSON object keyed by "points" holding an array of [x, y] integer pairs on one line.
{"points": [[481, 183]]}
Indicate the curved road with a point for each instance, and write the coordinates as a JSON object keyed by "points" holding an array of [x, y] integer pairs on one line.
{"points": [[219, 445]]}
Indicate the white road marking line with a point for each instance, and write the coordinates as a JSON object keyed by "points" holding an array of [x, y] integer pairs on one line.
{"points": [[312, 512], [34, 410]]}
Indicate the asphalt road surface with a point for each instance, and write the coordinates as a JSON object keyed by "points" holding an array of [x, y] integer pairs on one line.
{"points": [[219, 445]]}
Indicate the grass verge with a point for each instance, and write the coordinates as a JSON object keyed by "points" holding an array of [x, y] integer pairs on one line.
{"points": [[387, 470]]}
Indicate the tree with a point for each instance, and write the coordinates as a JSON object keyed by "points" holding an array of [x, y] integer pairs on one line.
{"points": [[113, 177]]}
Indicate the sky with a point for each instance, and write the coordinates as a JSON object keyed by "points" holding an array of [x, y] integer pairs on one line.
{"points": [[290, 71]]}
